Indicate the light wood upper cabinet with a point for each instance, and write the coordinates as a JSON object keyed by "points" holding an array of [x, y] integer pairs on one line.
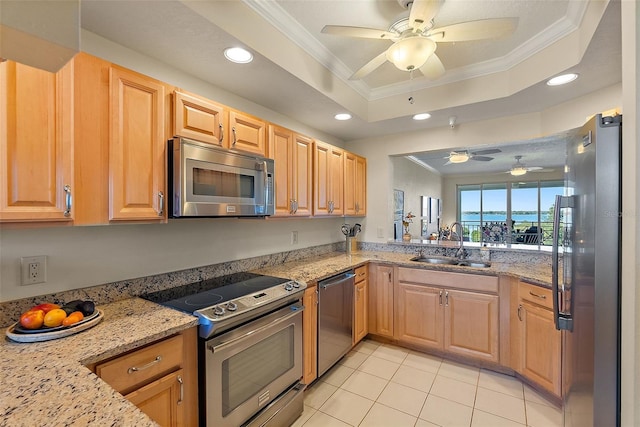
{"points": [[248, 133], [381, 300], [328, 177], [310, 335], [293, 156], [136, 147], [361, 304], [355, 185], [36, 143], [200, 119]]}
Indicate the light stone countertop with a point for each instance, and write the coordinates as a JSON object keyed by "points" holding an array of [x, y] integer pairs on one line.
{"points": [[47, 382]]}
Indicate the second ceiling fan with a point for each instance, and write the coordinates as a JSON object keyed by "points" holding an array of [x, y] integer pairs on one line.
{"points": [[415, 38]]}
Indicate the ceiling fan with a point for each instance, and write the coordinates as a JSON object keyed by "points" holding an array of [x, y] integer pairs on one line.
{"points": [[463, 156], [415, 38], [519, 169]]}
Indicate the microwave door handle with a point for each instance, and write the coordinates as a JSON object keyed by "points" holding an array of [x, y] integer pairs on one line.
{"points": [[266, 182]]}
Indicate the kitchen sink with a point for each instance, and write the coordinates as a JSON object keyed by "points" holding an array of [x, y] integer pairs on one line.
{"points": [[451, 261], [435, 260]]}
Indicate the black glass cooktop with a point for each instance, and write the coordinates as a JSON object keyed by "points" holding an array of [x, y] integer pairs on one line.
{"points": [[199, 295]]}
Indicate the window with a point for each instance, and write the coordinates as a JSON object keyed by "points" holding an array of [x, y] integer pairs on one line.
{"points": [[517, 212]]}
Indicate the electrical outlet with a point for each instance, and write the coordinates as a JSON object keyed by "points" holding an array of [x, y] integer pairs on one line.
{"points": [[294, 237], [34, 269]]}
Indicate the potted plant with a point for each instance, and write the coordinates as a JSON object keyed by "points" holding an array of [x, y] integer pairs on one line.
{"points": [[408, 219]]}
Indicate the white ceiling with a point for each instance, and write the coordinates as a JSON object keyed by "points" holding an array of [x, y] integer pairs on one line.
{"points": [[302, 73]]}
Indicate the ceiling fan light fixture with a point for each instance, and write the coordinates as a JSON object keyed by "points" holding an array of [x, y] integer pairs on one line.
{"points": [[422, 116], [458, 157], [238, 55], [518, 171], [411, 53], [562, 80]]}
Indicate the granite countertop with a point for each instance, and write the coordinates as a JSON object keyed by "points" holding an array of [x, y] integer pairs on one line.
{"points": [[47, 382], [312, 270]]}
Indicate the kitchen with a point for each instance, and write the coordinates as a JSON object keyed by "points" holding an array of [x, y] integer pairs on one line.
{"points": [[98, 255]]}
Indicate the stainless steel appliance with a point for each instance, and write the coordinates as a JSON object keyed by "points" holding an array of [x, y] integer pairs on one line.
{"points": [[335, 319], [587, 308], [207, 181], [250, 347]]}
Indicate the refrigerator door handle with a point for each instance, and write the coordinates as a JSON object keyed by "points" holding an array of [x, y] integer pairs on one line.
{"points": [[562, 321]]}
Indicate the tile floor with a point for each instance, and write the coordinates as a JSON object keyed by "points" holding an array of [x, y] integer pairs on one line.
{"points": [[388, 386]]}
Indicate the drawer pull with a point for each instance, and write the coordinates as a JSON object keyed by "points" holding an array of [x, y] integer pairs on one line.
{"points": [[520, 312], [143, 367], [181, 389], [537, 295]]}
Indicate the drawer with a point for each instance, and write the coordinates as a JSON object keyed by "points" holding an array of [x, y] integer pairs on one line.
{"points": [[536, 294], [361, 273], [139, 367]]}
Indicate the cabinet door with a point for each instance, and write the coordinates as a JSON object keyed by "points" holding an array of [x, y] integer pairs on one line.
{"points": [[361, 311], [281, 151], [321, 171], [248, 133], [336, 180], [349, 184], [200, 119], [310, 335], [302, 174], [419, 315], [381, 300], [136, 147], [540, 356], [471, 324], [361, 186], [162, 400], [36, 138]]}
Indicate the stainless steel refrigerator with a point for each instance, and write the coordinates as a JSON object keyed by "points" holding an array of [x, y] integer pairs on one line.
{"points": [[587, 280]]}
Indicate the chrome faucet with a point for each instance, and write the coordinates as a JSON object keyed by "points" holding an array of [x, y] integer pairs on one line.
{"points": [[460, 252]]}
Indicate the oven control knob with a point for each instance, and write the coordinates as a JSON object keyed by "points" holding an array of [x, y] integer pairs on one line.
{"points": [[232, 306], [296, 285], [288, 287], [218, 311]]}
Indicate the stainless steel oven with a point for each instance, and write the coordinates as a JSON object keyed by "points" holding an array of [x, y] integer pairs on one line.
{"points": [[248, 367], [250, 347]]}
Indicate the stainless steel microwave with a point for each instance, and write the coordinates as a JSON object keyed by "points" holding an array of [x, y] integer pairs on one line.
{"points": [[208, 181]]}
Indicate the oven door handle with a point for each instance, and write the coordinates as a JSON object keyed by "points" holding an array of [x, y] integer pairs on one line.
{"points": [[295, 310]]}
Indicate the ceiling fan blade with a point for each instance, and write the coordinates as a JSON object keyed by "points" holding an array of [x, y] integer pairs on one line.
{"points": [[475, 30], [361, 32], [370, 66], [422, 12], [482, 158], [433, 68], [489, 151]]}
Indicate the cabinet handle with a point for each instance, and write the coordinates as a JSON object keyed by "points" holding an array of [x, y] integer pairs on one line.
{"points": [[161, 203], [181, 398], [221, 133], [440, 297], [68, 200], [446, 299], [233, 131], [290, 205], [537, 295], [295, 206], [520, 312], [133, 369], [389, 277]]}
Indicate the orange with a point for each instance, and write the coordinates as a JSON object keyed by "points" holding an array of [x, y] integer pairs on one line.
{"points": [[54, 317], [72, 318]]}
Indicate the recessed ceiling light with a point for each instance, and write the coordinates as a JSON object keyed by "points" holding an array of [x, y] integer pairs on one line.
{"points": [[342, 116], [238, 55], [561, 80], [421, 116]]}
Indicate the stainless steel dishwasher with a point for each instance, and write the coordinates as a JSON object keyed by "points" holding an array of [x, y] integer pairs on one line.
{"points": [[335, 319]]}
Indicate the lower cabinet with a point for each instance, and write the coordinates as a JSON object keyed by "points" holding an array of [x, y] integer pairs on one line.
{"points": [[361, 305], [381, 305], [310, 335], [160, 378], [540, 341], [456, 321]]}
